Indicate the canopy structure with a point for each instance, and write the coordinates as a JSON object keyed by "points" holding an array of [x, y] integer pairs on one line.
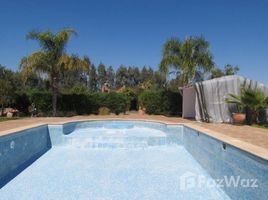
{"points": [[209, 97]]}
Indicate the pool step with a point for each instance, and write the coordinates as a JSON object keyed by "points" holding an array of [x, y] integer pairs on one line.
{"points": [[116, 142]]}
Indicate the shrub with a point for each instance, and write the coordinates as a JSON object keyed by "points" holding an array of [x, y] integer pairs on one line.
{"points": [[104, 111], [132, 99], [161, 102], [172, 103], [22, 102], [116, 102], [151, 101], [42, 100], [70, 104], [75, 103]]}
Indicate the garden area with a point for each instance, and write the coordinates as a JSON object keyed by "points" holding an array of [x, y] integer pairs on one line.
{"points": [[51, 82]]}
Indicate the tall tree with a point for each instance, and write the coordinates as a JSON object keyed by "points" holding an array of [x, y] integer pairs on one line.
{"points": [[111, 76], [121, 76], [131, 77], [93, 79], [147, 74], [9, 83], [73, 78], [102, 78], [52, 58], [187, 57], [159, 80]]}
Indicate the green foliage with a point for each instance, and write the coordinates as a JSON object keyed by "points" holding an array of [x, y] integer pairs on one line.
{"points": [[265, 126], [151, 101], [72, 103], [9, 81], [93, 82], [52, 59], [111, 77], [102, 77], [187, 58], [81, 104], [22, 102], [42, 100], [121, 76], [132, 98], [228, 70], [172, 103], [5, 92], [252, 99], [104, 111], [161, 102], [116, 102]]}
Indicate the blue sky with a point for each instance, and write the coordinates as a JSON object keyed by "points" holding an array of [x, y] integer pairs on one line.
{"points": [[133, 32]]}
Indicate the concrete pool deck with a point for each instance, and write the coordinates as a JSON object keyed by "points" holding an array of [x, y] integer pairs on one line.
{"points": [[251, 139]]}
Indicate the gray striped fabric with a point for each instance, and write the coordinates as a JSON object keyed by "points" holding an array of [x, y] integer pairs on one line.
{"points": [[211, 94]]}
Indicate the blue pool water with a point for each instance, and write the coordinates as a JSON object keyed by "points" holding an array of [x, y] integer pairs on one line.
{"points": [[111, 161]]}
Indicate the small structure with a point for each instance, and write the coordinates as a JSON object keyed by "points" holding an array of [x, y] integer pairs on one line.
{"points": [[105, 88], [205, 101]]}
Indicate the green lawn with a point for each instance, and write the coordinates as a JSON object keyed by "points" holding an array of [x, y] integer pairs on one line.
{"points": [[261, 126], [6, 119]]}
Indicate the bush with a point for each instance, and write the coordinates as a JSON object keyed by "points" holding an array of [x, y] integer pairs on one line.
{"points": [[42, 100], [132, 99], [104, 111], [80, 104], [22, 102], [70, 104], [151, 101], [116, 102], [172, 103], [161, 102]]}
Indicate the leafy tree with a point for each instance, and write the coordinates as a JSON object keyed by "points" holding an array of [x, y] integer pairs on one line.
{"points": [[131, 77], [52, 58], [77, 77], [228, 70], [111, 76], [159, 80], [187, 58], [5, 93], [9, 81], [102, 78], [137, 76], [34, 80], [93, 79], [146, 74]]}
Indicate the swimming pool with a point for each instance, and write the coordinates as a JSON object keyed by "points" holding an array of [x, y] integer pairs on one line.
{"points": [[111, 160]]}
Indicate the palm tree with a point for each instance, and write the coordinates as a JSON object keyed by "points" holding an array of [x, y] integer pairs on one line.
{"points": [[254, 100], [52, 59], [189, 58]]}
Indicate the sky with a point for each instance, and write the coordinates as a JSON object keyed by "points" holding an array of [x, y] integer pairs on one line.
{"points": [[132, 32]]}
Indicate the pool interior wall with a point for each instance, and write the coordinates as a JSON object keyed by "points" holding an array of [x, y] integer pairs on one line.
{"points": [[19, 150]]}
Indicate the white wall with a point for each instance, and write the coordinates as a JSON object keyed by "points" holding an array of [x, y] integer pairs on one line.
{"points": [[188, 102]]}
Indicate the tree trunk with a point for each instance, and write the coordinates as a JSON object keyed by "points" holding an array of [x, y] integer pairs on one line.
{"points": [[54, 95]]}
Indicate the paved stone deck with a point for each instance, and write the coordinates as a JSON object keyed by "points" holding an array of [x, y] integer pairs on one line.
{"points": [[251, 139]]}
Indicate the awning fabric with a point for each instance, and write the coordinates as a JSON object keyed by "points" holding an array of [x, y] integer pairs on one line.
{"points": [[210, 103]]}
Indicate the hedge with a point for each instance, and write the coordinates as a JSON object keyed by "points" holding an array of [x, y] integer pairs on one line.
{"points": [[71, 104], [116, 102], [155, 102], [161, 102]]}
